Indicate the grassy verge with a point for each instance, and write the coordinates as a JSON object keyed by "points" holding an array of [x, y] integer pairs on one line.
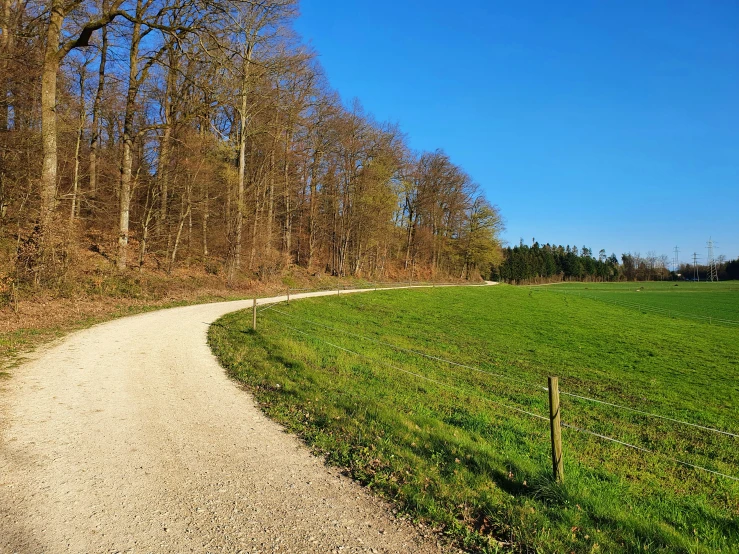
{"points": [[444, 443]]}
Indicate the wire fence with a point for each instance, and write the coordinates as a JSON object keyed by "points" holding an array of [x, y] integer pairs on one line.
{"points": [[669, 312], [418, 353], [505, 378], [414, 374]]}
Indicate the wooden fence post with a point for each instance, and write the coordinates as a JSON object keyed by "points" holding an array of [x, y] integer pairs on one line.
{"points": [[288, 296], [254, 315], [556, 431]]}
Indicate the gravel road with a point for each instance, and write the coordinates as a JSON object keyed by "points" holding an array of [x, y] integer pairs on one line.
{"points": [[129, 437]]}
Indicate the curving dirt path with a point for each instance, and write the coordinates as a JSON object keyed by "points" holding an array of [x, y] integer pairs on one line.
{"points": [[129, 437]]}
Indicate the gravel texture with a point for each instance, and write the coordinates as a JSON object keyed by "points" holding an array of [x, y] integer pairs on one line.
{"points": [[129, 437]]}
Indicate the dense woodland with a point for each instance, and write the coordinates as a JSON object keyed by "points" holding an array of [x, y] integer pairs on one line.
{"points": [[541, 264], [204, 134], [536, 263]]}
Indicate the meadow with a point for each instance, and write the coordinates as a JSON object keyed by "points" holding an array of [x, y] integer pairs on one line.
{"points": [[713, 301], [436, 399]]}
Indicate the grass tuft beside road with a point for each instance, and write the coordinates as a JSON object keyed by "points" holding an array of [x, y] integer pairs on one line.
{"points": [[444, 443]]}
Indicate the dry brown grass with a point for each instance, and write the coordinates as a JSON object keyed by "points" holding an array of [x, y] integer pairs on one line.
{"points": [[31, 316], [84, 288]]}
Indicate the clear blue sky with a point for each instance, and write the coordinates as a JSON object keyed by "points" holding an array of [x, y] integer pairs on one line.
{"points": [[613, 125]]}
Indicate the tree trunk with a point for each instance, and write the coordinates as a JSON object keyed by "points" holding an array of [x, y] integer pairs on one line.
{"points": [[165, 144], [146, 223], [163, 176], [49, 73], [75, 211], [53, 55], [229, 231], [312, 206], [183, 217], [258, 205], [95, 124], [271, 194], [206, 215], [6, 47], [189, 225], [287, 231], [409, 233], [241, 192], [124, 206]]}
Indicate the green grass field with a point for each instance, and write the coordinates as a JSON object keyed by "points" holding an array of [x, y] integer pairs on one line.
{"points": [[697, 300], [450, 445]]}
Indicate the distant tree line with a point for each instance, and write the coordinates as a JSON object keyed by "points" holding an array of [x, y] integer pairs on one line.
{"points": [[205, 134], [732, 270], [536, 263], [635, 267], [726, 270], [525, 264]]}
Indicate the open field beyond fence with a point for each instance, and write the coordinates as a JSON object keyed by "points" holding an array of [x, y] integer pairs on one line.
{"points": [[714, 302], [437, 399]]}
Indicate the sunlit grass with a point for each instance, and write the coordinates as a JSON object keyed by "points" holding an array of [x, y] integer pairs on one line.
{"points": [[444, 442], [715, 300]]}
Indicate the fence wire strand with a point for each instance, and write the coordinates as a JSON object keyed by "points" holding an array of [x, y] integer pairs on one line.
{"points": [[417, 353], [516, 409], [648, 451], [512, 379], [508, 406], [619, 406], [418, 375]]}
